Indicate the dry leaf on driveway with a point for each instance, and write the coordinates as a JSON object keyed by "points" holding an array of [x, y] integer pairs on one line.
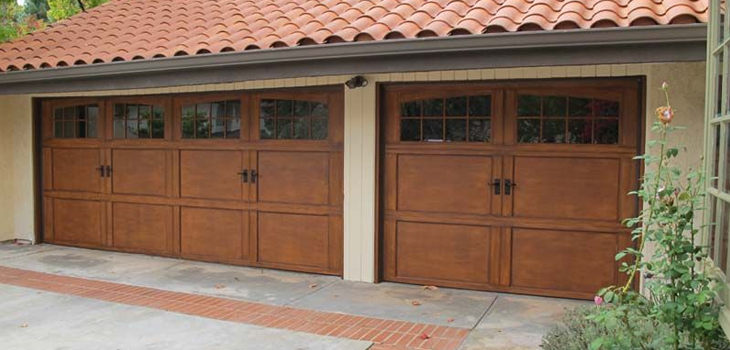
{"points": [[449, 320], [220, 286], [425, 336], [313, 285], [430, 288], [416, 303]]}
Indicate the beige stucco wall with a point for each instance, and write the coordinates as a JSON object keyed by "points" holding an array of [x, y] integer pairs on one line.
{"points": [[16, 171]]}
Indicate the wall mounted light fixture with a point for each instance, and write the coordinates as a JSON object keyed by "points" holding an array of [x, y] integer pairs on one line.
{"points": [[356, 82]]}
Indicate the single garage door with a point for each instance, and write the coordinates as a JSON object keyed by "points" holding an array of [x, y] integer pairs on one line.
{"points": [[241, 178], [509, 187]]}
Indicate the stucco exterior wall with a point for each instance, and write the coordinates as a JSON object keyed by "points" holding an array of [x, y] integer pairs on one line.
{"points": [[16, 192]]}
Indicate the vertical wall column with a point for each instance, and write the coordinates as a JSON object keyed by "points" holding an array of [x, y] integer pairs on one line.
{"points": [[360, 179], [16, 168]]}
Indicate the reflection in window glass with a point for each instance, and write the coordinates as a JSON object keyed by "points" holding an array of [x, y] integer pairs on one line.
{"points": [[560, 119], [77, 122], [450, 119], [293, 120], [215, 120], [138, 121]]}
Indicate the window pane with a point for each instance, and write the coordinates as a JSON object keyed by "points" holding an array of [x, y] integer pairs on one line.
{"points": [[92, 127], [480, 130], [81, 129], [233, 128], [579, 107], [713, 226], [69, 113], [145, 112], [456, 107], [410, 109], [158, 129], [555, 106], [301, 128], [267, 108], [132, 129], [553, 130], [81, 113], [301, 108], [715, 172], [319, 128], [144, 128], [58, 129], [119, 128], [68, 129], [158, 112], [119, 111], [528, 106], [218, 110], [727, 157], [724, 231], [579, 131], [266, 128], [188, 124], [480, 106], [602, 108], [58, 114], [284, 108], [202, 111], [202, 129], [605, 131], [132, 111], [433, 108], [433, 129], [410, 130], [528, 130], [320, 110], [283, 128], [456, 128]]}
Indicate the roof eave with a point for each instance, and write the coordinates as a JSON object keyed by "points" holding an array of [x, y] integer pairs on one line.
{"points": [[584, 38]]}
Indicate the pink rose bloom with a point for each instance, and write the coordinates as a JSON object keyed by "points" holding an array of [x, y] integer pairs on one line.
{"points": [[598, 300]]}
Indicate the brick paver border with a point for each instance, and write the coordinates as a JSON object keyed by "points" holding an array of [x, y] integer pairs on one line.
{"points": [[385, 334]]}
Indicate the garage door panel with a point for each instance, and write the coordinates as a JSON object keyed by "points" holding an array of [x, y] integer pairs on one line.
{"points": [[453, 253], [567, 188], [294, 239], [142, 227], [581, 262], [211, 174], [293, 177], [436, 183], [77, 221], [139, 172], [76, 169], [216, 234]]}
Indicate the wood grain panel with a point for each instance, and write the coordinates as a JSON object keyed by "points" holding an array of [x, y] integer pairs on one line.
{"points": [[77, 221], [141, 227], [567, 188], [293, 177], [455, 253], [212, 233], [563, 260], [75, 169], [444, 183], [139, 171], [211, 174], [293, 239]]}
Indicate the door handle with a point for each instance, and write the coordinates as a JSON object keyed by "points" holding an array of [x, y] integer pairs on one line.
{"points": [[254, 176], [244, 176], [497, 184], [108, 171], [508, 185], [100, 169]]}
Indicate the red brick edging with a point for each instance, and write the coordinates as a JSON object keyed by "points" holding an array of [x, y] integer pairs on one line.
{"points": [[386, 334]]}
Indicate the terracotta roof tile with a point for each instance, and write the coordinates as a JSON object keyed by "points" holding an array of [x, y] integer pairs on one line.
{"points": [[123, 30]]}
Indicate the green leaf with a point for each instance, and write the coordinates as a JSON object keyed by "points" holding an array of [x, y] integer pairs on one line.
{"points": [[596, 344]]}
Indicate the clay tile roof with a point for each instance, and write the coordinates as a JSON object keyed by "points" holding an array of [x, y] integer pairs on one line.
{"points": [[123, 30]]}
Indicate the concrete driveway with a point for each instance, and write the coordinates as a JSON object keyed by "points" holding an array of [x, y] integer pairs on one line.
{"points": [[82, 318]]}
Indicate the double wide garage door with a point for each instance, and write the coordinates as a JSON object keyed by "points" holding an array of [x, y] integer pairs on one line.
{"points": [[509, 187], [251, 179]]}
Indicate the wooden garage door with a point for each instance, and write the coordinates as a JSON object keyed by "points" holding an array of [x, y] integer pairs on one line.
{"points": [[241, 178], [509, 187]]}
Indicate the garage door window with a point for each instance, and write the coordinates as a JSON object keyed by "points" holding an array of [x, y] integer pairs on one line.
{"points": [[138, 121], [567, 119], [76, 122], [293, 120], [450, 119], [214, 120]]}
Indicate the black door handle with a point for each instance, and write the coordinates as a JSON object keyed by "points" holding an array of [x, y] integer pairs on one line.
{"points": [[508, 184], [244, 176], [254, 176], [100, 169], [108, 171], [497, 184]]}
